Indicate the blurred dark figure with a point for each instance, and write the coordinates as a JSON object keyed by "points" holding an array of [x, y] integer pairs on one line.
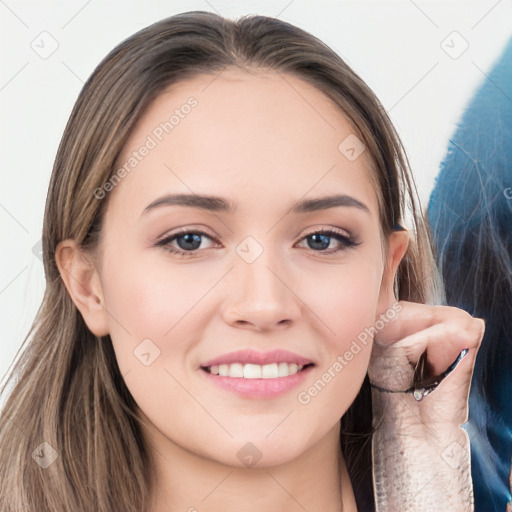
{"points": [[470, 214]]}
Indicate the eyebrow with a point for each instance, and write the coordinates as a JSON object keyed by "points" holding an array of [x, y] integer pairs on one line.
{"points": [[221, 205]]}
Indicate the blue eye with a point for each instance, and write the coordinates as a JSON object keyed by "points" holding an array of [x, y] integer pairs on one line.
{"points": [[189, 241], [321, 240]]}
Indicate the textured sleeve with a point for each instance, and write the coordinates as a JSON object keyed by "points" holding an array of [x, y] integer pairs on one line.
{"points": [[417, 468]]}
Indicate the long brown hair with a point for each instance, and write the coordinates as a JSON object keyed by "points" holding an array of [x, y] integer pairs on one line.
{"points": [[68, 398]]}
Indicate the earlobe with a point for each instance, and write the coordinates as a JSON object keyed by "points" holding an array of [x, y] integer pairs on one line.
{"points": [[83, 285]]}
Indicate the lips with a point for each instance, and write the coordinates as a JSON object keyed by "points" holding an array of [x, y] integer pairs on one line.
{"points": [[246, 381], [259, 358]]}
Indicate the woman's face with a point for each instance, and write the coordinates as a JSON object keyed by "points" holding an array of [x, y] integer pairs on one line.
{"points": [[251, 279]]}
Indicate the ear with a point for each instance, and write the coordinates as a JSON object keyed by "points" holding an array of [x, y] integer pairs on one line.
{"points": [[83, 284], [398, 242]]}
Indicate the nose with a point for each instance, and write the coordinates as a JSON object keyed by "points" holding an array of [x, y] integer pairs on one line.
{"points": [[261, 296]]}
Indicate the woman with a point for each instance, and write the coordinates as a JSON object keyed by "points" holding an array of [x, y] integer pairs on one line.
{"points": [[223, 248]]}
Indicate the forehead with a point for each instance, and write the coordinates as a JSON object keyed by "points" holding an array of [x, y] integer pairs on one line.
{"points": [[251, 137]]}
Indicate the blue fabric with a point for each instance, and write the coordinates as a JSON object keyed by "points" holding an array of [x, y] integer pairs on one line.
{"points": [[470, 214]]}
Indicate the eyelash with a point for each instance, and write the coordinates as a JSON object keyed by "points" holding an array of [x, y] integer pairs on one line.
{"points": [[347, 242]]}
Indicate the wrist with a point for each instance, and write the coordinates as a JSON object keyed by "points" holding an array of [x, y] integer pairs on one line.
{"points": [[401, 413]]}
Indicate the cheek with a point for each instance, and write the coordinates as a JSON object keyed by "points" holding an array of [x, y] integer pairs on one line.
{"points": [[346, 306], [344, 297], [346, 302], [149, 302]]}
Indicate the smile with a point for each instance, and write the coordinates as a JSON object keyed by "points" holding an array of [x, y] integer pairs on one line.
{"points": [[255, 381], [255, 371]]}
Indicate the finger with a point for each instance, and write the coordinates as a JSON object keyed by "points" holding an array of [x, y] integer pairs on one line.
{"points": [[442, 341], [413, 317]]}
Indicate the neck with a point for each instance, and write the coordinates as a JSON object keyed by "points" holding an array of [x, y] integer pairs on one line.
{"points": [[315, 480]]}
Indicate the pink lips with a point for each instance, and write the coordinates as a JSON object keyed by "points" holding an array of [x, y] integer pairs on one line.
{"points": [[261, 358], [258, 388]]}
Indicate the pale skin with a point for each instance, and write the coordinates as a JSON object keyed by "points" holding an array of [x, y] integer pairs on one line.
{"points": [[262, 142]]}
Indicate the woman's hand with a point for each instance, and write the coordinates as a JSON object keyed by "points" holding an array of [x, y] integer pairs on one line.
{"points": [[421, 453]]}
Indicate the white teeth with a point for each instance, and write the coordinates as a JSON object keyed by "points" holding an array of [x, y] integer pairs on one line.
{"points": [[255, 371], [252, 371], [283, 370], [236, 370], [270, 371]]}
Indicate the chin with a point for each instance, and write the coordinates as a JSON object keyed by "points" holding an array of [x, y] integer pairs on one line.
{"points": [[260, 453]]}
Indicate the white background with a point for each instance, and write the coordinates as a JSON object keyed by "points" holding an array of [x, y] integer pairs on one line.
{"points": [[396, 47]]}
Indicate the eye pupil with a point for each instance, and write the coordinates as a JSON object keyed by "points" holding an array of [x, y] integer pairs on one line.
{"points": [[190, 238], [323, 240]]}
